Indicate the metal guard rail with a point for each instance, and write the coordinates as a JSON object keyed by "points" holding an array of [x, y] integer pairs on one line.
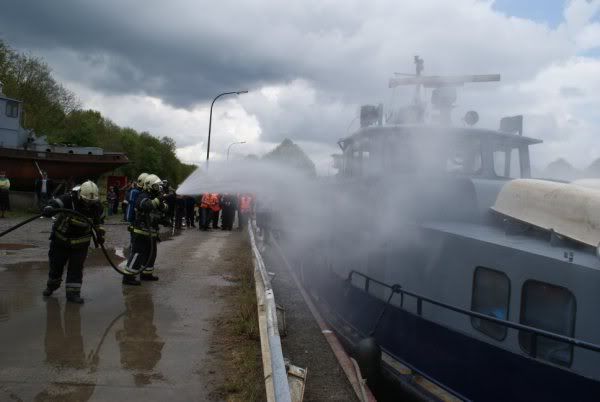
{"points": [[276, 380], [535, 332]]}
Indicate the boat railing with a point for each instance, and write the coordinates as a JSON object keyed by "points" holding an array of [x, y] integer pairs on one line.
{"points": [[420, 299]]}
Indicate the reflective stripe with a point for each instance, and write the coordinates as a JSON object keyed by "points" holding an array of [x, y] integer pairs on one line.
{"points": [[131, 264], [144, 232], [59, 202], [73, 285], [80, 240], [77, 222], [148, 270]]}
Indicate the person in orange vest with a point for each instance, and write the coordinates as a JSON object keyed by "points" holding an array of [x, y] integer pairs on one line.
{"points": [[215, 207], [244, 210], [203, 218]]}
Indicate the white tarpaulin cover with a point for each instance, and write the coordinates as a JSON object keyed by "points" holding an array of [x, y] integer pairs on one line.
{"points": [[571, 210]]}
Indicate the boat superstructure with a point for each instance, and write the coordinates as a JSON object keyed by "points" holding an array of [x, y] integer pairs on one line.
{"points": [[456, 262]]}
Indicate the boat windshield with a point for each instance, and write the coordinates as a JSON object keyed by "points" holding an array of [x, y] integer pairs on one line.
{"points": [[404, 154]]}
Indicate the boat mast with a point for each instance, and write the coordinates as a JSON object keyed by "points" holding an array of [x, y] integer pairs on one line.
{"points": [[443, 96]]}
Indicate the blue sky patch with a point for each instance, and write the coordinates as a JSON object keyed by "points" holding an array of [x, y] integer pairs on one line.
{"points": [[549, 12]]}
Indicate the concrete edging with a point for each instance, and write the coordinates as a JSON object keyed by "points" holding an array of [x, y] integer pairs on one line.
{"points": [[275, 372]]}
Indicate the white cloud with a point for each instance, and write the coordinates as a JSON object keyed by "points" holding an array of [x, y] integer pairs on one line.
{"points": [[310, 64]]}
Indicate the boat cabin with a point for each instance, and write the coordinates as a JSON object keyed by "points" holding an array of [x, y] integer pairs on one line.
{"points": [[408, 149], [11, 134]]}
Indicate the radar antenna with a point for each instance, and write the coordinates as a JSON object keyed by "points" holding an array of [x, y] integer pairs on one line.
{"points": [[443, 95]]}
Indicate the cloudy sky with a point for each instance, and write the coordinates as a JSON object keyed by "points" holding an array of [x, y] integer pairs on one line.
{"points": [[309, 64]]}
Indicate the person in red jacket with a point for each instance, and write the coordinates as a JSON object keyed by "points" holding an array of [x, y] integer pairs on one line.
{"points": [[245, 206]]}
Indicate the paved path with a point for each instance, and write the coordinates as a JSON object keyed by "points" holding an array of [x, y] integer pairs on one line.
{"points": [[125, 343], [304, 344]]}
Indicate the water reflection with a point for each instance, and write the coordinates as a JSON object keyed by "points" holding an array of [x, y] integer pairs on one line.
{"points": [[64, 350], [15, 295], [139, 343]]}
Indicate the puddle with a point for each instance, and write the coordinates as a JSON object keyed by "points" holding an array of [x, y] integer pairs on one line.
{"points": [[15, 246], [95, 258], [29, 265]]}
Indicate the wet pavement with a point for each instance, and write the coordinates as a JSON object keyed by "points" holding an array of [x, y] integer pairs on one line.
{"points": [[125, 343]]}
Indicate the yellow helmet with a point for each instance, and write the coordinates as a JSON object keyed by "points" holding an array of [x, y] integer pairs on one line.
{"points": [[88, 192], [141, 180]]}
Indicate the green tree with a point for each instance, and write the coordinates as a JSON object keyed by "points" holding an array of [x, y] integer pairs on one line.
{"points": [[52, 110], [29, 78]]}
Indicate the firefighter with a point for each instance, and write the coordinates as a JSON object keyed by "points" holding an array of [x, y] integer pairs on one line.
{"points": [[228, 215], [150, 211], [71, 236]]}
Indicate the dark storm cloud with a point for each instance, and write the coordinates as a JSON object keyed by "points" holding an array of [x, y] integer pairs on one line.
{"points": [[127, 51], [187, 51], [326, 56]]}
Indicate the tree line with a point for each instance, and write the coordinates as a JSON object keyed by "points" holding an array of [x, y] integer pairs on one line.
{"points": [[51, 109]]}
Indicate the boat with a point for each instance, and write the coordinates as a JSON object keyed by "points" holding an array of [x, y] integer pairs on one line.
{"points": [[462, 269], [24, 155]]}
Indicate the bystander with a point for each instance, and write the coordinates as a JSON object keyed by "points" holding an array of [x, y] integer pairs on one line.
{"points": [[4, 194]]}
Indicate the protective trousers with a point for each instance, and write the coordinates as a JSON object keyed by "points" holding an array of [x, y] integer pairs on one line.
{"points": [[59, 256], [143, 253], [149, 267]]}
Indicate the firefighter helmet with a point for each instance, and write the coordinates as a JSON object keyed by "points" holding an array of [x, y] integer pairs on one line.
{"points": [[88, 192], [141, 180], [153, 184]]}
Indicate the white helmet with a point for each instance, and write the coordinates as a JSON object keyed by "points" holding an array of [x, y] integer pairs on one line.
{"points": [[141, 180], [152, 183], [88, 191]]}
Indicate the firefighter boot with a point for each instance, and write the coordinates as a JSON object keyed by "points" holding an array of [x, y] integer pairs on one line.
{"points": [[74, 297], [130, 280], [148, 277], [51, 286]]}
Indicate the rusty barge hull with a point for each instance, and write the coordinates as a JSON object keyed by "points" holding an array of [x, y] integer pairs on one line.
{"points": [[21, 169]]}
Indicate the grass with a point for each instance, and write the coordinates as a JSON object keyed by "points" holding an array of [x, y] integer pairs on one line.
{"points": [[239, 334]]}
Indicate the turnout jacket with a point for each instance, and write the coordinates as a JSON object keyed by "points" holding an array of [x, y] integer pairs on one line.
{"points": [[149, 212], [71, 230]]}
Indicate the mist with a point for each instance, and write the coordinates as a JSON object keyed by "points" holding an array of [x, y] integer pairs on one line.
{"points": [[340, 224]]}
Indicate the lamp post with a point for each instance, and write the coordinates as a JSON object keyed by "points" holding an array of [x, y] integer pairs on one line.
{"points": [[232, 144], [210, 118]]}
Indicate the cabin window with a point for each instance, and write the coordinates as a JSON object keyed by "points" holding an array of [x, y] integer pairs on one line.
{"points": [[12, 109], [463, 157], [551, 308], [491, 295], [506, 163]]}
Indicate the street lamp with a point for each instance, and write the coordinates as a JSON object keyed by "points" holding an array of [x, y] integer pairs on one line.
{"points": [[232, 144], [210, 118]]}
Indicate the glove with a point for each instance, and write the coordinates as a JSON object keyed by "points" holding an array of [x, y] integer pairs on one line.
{"points": [[48, 211]]}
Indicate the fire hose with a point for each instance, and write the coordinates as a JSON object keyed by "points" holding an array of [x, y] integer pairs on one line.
{"points": [[94, 237]]}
